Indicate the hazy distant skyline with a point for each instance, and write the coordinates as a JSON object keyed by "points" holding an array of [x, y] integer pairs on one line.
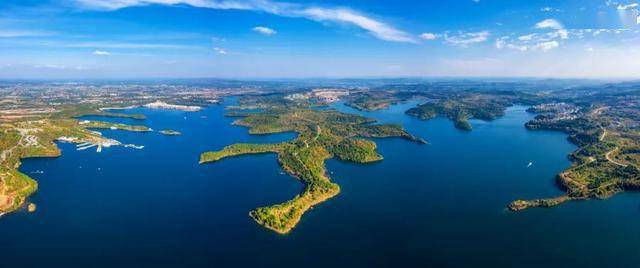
{"points": [[294, 39]]}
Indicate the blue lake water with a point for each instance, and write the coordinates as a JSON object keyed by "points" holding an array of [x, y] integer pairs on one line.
{"points": [[440, 205]]}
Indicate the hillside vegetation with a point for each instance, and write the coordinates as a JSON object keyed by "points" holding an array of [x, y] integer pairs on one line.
{"points": [[323, 134]]}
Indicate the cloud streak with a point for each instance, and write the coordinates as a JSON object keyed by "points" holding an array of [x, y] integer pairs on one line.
{"points": [[101, 53], [465, 39], [428, 36], [21, 33], [553, 33], [264, 30], [220, 51], [628, 7], [345, 16], [549, 24], [119, 45]]}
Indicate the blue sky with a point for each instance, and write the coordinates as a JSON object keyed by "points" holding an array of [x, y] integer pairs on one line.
{"points": [[357, 38]]}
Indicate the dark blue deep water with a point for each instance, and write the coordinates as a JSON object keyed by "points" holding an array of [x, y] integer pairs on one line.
{"points": [[438, 205]]}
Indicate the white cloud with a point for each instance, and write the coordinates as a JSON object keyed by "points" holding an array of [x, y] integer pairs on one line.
{"points": [[50, 66], [502, 42], [100, 45], [376, 28], [550, 9], [429, 36], [526, 37], [220, 51], [22, 33], [59, 67], [536, 41], [628, 7], [562, 34], [264, 30], [546, 46], [551, 39], [549, 24], [610, 3], [465, 39], [218, 39], [119, 4], [123, 45], [542, 46], [517, 47], [101, 53]]}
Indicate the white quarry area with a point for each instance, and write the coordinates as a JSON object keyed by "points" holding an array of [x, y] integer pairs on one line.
{"points": [[329, 95], [67, 139], [164, 105], [297, 96]]}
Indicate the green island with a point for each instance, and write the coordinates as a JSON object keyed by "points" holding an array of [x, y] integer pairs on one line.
{"points": [[69, 109], [113, 126], [119, 115], [461, 109], [322, 134], [170, 132]]}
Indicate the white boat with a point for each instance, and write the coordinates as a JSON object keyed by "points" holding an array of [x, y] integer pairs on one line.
{"points": [[86, 147], [530, 164], [139, 147]]}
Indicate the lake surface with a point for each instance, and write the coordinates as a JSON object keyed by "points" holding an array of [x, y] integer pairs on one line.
{"points": [[440, 205]]}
